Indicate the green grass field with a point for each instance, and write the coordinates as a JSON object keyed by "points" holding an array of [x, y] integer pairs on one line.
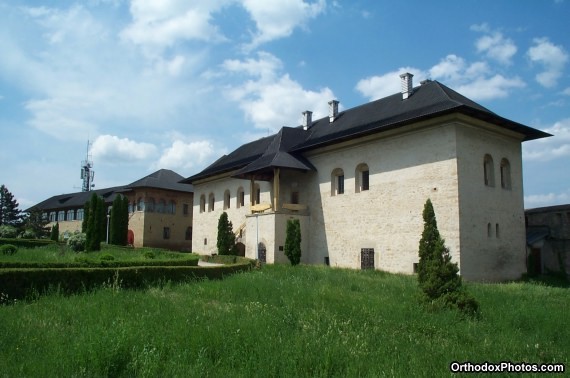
{"points": [[279, 321]]}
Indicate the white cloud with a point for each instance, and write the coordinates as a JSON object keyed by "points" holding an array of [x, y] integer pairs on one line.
{"points": [[566, 91], [552, 57], [181, 155], [272, 100], [484, 88], [278, 18], [163, 23], [114, 149], [552, 148], [547, 199], [494, 45], [375, 87]]}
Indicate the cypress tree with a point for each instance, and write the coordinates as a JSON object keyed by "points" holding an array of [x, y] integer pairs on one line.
{"points": [[438, 277], [124, 221], [95, 228], [119, 221], [54, 235], [86, 210], [226, 239], [293, 241]]}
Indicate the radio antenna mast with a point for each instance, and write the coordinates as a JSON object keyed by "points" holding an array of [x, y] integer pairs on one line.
{"points": [[87, 173]]}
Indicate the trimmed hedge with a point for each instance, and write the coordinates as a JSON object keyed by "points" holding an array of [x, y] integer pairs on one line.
{"points": [[98, 263], [27, 243], [26, 283], [224, 259]]}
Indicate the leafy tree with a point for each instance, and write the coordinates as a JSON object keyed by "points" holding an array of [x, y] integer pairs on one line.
{"points": [[119, 221], [438, 277], [35, 223], [54, 235], [7, 231], [9, 212], [293, 241], [226, 238], [95, 224]]}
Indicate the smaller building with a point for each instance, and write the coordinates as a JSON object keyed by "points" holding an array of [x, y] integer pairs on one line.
{"points": [[548, 239], [160, 210]]}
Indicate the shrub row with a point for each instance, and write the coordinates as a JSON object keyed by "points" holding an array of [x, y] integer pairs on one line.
{"points": [[100, 263], [27, 243], [224, 259], [26, 283]]}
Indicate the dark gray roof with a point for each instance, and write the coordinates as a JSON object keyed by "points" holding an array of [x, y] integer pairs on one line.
{"points": [[76, 200], [536, 233], [161, 179], [548, 209], [429, 100], [276, 155]]}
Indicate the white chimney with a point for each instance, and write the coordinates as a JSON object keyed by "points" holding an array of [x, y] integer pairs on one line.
{"points": [[307, 119], [407, 85], [333, 110]]}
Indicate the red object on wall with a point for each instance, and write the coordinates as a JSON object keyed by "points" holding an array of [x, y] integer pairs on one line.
{"points": [[130, 237]]}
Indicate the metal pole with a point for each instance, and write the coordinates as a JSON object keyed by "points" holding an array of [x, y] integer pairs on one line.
{"points": [[257, 235], [108, 216]]}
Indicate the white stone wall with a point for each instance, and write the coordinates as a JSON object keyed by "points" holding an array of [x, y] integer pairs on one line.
{"points": [[205, 230], [405, 170], [487, 256]]}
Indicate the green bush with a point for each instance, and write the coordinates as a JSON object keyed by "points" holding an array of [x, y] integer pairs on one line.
{"points": [[28, 234], [293, 241], [77, 242], [8, 249], [149, 255], [27, 243], [7, 231]]}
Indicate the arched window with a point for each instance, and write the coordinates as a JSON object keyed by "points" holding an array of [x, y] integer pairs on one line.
{"points": [[489, 232], [61, 215], [161, 206], [488, 170], [80, 215], [211, 201], [52, 216], [202, 203], [150, 205], [362, 178], [171, 207], [240, 198], [337, 182], [226, 199], [140, 205], [505, 174], [70, 215]]}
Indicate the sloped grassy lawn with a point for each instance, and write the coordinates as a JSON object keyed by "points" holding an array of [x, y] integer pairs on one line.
{"points": [[279, 321]]}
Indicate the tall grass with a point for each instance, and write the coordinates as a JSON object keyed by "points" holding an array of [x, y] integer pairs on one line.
{"points": [[279, 321]]}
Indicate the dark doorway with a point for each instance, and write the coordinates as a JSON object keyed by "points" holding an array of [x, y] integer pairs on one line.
{"points": [[262, 253], [240, 249]]}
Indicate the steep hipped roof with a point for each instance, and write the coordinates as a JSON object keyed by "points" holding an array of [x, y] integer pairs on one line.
{"points": [[277, 155], [161, 179], [429, 100]]}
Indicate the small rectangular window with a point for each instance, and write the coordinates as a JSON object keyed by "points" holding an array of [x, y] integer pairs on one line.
{"points": [[241, 198], [185, 209], [166, 233], [258, 196]]}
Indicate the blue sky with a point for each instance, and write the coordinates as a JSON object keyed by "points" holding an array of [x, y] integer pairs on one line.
{"points": [[175, 83]]}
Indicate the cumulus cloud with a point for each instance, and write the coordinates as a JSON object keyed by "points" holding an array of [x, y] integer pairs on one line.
{"points": [[278, 18], [270, 99], [375, 87], [114, 149], [163, 23], [552, 148], [494, 44], [551, 57], [182, 155], [474, 80]]}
